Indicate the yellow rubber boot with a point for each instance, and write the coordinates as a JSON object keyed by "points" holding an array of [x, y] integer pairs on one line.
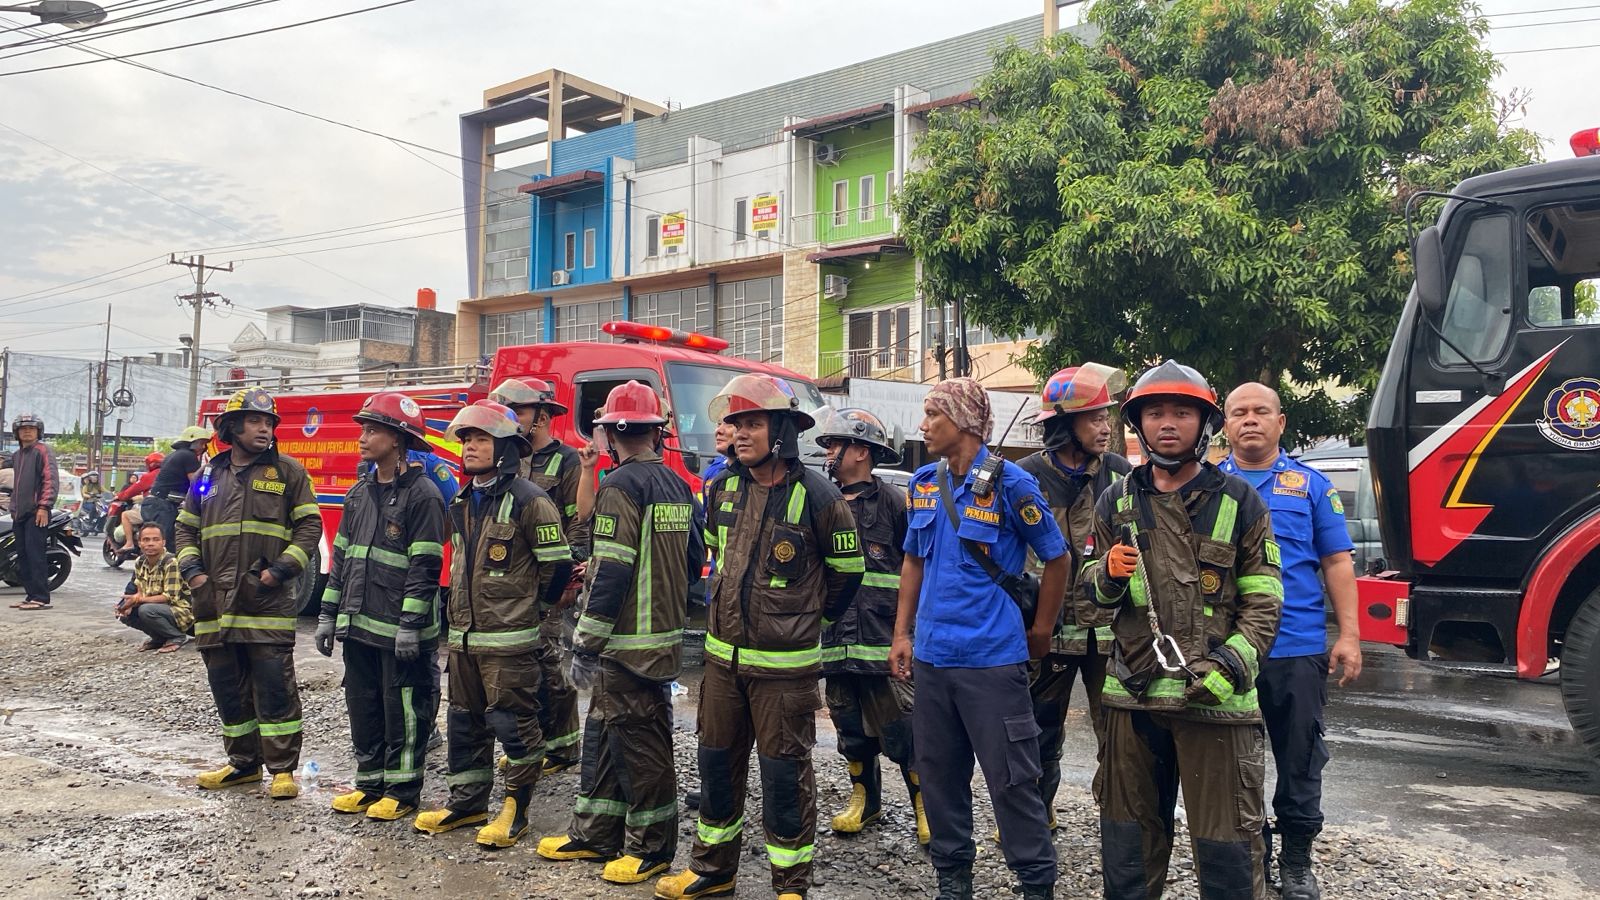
{"points": [[226, 777], [512, 823], [632, 869], [389, 809], [283, 787], [791, 895], [914, 788], [356, 801], [688, 884], [562, 848], [438, 821], [864, 806]]}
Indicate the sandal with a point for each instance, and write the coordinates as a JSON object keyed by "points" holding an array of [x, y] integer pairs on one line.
{"points": [[32, 604], [148, 645], [172, 646]]}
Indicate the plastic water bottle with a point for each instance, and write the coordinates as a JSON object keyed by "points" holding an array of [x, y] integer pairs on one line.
{"points": [[310, 772], [678, 690]]}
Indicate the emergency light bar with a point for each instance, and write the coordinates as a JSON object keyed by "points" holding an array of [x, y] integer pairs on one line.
{"points": [[1586, 142], [637, 331]]}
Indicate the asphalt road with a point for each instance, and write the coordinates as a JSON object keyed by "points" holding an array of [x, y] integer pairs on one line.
{"points": [[1487, 766]]}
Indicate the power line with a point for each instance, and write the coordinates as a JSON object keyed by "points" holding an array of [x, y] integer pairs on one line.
{"points": [[99, 34], [231, 37], [1544, 49], [1534, 12], [1544, 24]]}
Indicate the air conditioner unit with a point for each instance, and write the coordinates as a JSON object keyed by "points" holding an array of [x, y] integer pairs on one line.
{"points": [[828, 155], [560, 277], [835, 287]]}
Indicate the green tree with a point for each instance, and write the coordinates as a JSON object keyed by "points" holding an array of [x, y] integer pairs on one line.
{"points": [[1216, 181]]}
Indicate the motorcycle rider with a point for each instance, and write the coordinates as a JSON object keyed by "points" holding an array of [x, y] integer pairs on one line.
{"points": [[33, 497], [789, 558], [508, 556], [1073, 470], [648, 549], [1191, 568], [870, 710], [248, 527], [555, 468], [132, 516], [174, 475], [380, 601]]}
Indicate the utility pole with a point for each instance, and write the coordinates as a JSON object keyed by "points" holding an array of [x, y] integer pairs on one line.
{"points": [[101, 403], [200, 299], [5, 385], [123, 398]]}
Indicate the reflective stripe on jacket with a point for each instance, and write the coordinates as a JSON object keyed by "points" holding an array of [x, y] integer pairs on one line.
{"points": [[788, 557], [509, 555], [648, 547], [858, 641], [234, 524], [386, 560]]}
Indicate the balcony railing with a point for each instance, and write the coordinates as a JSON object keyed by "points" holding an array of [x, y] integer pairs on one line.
{"points": [[891, 363], [846, 225]]}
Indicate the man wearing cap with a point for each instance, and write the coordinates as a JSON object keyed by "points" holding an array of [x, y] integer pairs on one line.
{"points": [[972, 641], [1308, 523], [508, 556], [172, 482], [380, 601], [248, 527], [556, 469], [1073, 470], [628, 648], [870, 710], [789, 559], [1191, 569]]}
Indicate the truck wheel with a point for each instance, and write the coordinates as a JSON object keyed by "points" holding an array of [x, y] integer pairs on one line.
{"points": [[1580, 673], [308, 585]]}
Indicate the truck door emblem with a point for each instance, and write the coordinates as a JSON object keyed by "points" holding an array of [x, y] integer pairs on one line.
{"points": [[1572, 415]]}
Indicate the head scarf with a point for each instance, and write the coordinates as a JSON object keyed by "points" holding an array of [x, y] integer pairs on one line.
{"points": [[964, 402]]}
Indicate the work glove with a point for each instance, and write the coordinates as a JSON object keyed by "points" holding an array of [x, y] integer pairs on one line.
{"points": [[584, 668], [1121, 562], [407, 645], [1218, 676], [324, 635]]}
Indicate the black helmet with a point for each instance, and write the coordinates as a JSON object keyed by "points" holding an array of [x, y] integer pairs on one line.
{"points": [[242, 403], [27, 418], [1173, 380], [854, 424]]}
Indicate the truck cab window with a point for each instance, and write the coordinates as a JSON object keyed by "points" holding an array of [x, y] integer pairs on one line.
{"points": [[1477, 311]]}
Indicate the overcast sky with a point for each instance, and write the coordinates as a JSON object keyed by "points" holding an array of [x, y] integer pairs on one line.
{"points": [[163, 166]]}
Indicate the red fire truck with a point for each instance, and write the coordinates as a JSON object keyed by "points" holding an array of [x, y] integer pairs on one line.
{"points": [[687, 367], [1484, 437]]}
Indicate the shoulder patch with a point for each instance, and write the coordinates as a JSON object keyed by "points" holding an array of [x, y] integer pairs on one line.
{"points": [[549, 534], [1030, 512], [605, 526], [1335, 502]]}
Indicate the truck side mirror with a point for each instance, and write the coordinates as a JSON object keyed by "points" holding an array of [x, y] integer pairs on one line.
{"points": [[1428, 255], [691, 461]]}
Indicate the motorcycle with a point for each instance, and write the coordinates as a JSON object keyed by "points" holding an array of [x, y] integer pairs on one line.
{"points": [[111, 547], [90, 517], [61, 544]]}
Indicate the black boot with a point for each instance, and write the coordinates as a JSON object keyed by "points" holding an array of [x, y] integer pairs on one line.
{"points": [[1299, 882], [1038, 892], [955, 883], [1271, 876]]}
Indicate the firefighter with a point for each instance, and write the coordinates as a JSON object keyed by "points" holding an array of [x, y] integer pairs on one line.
{"points": [[508, 555], [248, 527], [1308, 522], [1191, 568], [380, 601], [175, 473], [556, 468], [973, 517], [1073, 470], [648, 547], [788, 558], [870, 711]]}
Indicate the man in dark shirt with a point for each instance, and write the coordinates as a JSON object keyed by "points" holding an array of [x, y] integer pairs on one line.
{"points": [[33, 496], [172, 481]]}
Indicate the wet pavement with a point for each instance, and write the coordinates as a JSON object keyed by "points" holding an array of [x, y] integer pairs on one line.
{"points": [[1442, 785]]}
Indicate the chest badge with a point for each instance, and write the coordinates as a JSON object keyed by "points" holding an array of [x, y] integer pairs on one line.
{"points": [[783, 551], [1210, 582], [497, 552], [270, 473], [393, 531], [877, 551]]}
